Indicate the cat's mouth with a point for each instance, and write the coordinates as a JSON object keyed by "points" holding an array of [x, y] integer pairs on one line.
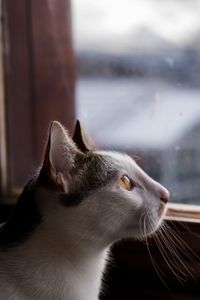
{"points": [[152, 221], [147, 223]]}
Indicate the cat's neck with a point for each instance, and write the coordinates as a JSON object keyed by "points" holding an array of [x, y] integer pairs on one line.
{"points": [[59, 267]]}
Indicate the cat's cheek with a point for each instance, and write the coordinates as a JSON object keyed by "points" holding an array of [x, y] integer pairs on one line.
{"points": [[135, 200]]}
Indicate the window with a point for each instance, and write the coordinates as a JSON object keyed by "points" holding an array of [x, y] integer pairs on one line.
{"points": [[138, 88]]}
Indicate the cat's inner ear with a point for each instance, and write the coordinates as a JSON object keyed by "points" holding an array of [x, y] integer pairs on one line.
{"points": [[81, 139], [62, 150], [59, 157]]}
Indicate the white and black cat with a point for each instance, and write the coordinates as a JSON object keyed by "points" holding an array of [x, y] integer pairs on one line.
{"points": [[55, 243]]}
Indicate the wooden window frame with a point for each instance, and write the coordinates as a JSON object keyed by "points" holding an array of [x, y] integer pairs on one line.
{"points": [[3, 144], [39, 82], [183, 212]]}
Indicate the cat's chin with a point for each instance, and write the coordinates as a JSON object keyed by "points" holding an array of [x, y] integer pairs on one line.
{"points": [[150, 228], [153, 221], [143, 223], [146, 227]]}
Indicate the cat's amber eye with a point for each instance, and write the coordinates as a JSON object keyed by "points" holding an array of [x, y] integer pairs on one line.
{"points": [[125, 182]]}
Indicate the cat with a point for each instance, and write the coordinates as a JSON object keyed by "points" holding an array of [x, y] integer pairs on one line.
{"points": [[55, 244]]}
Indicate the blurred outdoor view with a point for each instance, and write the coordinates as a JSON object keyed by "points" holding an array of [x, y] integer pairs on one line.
{"points": [[138, 87]]}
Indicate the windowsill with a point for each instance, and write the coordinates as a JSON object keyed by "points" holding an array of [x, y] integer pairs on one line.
{"points": [[183, 212]]}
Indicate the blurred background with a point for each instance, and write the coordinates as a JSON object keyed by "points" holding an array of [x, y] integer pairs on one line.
{"points": [[138, 84]]}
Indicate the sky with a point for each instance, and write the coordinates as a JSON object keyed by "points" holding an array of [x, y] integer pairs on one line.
{"points": [[123, 25]]}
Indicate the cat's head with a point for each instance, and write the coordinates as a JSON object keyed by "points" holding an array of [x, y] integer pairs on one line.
{"points": [[101, 196]]}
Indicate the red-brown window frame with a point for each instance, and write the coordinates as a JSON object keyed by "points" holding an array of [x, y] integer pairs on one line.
{"points": [[39, 82]]}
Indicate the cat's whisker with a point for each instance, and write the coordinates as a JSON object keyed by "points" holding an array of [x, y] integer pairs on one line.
{"points": [[140, 225], [155, 265], [170, 260], [170, 242], [173, 258], [176, 256], [165, 255], [182, 245], [178, 245], [178, 248]]}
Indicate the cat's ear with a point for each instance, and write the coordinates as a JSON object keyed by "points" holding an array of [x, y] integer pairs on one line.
{"points": [[81, 139], [60, 155], [62, 149]]}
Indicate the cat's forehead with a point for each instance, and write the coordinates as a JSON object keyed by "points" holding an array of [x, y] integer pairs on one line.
{"points": [[96, 163], [119, 161]]}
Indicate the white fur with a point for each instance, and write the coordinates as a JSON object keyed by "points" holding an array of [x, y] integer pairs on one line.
{"points": [[44, 268]]}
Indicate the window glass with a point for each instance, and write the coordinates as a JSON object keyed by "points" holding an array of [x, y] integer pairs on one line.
{"points": [[138, 87]]}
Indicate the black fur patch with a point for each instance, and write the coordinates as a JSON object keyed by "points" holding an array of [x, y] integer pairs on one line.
{"points": [[23, 220]]}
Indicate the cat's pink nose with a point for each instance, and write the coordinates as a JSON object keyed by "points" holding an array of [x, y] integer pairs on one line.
{"points": [[164, 196]]}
